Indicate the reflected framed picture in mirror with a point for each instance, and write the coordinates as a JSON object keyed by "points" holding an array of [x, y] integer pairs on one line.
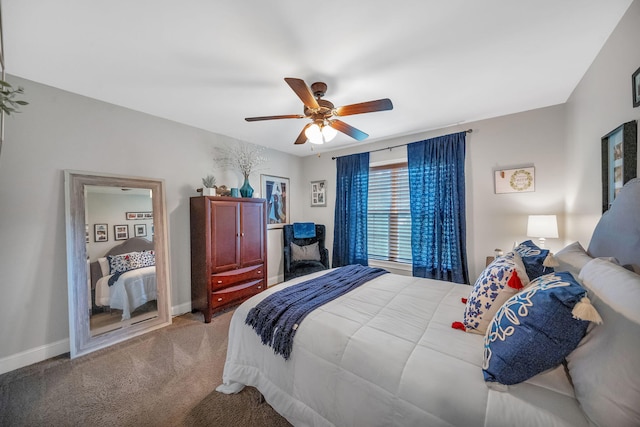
{"points": [[121, 232], [140, 230], [100, 233]]}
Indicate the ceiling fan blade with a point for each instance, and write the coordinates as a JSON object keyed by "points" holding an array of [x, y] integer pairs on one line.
{"points": [[348, 130], [302, 90], [302, 138], [287, 116], [365, 107]]}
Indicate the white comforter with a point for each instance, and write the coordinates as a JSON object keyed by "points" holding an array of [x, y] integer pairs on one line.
{"points": [[385, 355], [132, 289]]}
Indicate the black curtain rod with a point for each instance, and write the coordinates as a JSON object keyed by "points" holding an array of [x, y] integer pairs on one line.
{"points": [[391, 148]]}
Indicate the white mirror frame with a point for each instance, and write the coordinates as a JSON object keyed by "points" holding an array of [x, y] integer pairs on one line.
{"points": [[80, 339]]}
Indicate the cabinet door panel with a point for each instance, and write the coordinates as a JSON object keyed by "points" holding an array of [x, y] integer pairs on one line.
{"points": [[225, 244], [253, 225]]}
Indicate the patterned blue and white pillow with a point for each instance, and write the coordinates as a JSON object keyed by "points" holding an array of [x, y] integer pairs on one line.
{"points": [[533, 257], [503, 278], [119, 263], [143, 259], [535, 329]]}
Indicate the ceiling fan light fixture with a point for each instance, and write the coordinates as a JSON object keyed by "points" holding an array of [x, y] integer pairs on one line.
{"points": [[328, 133], [314, 134]]}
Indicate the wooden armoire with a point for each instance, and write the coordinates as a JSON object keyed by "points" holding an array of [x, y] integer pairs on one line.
{"points": [[228, 251]]}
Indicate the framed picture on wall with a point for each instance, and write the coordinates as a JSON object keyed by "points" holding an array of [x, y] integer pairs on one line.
{"points": [[520, 180], [121, 232], [619, 160], [276, 190], [318, 193], [140, 230], [100, 233], [635, 87]]}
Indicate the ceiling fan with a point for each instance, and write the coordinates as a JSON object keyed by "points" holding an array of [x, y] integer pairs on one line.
{"points": [[324, 126]]}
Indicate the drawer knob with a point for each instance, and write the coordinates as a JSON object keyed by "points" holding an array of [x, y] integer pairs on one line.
{"points": [[219, 299], [259, 287], [219, 281], [259, 272]]}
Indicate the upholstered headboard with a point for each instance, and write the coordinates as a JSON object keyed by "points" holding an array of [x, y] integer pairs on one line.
{"points": [[134, 244], [618, 232]]}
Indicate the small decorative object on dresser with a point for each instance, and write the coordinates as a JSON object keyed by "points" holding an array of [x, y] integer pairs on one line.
{"points": [[228, 252]]}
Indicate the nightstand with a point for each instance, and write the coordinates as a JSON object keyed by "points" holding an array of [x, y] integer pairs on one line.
{"points": [[489, 260]]}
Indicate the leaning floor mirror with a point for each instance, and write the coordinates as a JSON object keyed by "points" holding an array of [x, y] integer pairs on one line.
{"points": [[117, 258]]}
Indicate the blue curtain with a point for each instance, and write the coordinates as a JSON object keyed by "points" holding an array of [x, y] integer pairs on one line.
{"points": [[350, 220], [436, 191]]}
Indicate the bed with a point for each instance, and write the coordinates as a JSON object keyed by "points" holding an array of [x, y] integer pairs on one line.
{"points": [[130, 267], [387, 354]]}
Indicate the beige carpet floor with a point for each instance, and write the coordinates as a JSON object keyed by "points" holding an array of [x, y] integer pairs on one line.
{"points": [[163, 378]]}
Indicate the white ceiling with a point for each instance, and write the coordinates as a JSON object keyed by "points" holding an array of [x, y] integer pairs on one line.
{"points": [[211, 63]]}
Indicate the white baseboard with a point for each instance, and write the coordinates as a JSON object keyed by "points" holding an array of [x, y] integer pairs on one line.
{"points": [[34, 355], [183, 308], [274, 280], [47, 351]]}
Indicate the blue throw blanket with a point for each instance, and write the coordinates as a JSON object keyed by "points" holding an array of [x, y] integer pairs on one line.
{"points": [[304, 230], [276, 318]]}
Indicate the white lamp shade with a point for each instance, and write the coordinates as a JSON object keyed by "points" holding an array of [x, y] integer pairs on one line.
{"points": [[542, 226]]}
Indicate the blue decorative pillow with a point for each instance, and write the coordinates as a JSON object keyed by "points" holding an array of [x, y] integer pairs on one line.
{"points": [[533, 257], [536, 329]]}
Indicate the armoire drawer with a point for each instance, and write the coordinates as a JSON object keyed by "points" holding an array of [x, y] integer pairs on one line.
{"points": [[228, 278], [236, 294]]}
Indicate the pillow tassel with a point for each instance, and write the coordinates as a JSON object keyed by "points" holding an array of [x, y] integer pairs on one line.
{"points": [[584, 310], [458, 325], [550, 261], [514, 281]]}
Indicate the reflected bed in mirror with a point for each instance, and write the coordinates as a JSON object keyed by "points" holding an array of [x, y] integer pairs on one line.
{"points": [[117, 258]]}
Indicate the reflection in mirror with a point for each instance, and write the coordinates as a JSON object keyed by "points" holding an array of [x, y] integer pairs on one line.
{"points": [[117, 259], [121, 257]]}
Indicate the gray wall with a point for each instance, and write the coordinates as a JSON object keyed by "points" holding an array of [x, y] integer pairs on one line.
{"points": [[59, 130], [600, 103]]}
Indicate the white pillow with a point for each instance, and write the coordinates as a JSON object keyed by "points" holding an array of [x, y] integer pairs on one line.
{"points": [[305, 253], [605, 366], [104, 266], [572, 258]]}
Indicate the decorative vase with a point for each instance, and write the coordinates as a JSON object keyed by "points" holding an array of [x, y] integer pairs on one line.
{"points": [[246, 190]]}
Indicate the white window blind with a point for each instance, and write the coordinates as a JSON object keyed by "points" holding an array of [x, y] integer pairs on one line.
{"points": [[389, 215]]}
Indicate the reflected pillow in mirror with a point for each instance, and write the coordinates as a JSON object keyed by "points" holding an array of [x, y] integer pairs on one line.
{"points": [[104, 266], [305, 253], [119, 263], [143, 259]]}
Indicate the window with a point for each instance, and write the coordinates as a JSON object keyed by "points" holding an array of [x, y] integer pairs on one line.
{"points": [[389, 214]]}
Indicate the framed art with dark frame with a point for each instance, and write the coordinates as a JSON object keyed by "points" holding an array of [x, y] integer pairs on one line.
{"points": [[100, 233], [318, 193], [275, 189], [635, 87], [140, 230], [619, 160], [121, 232]]}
